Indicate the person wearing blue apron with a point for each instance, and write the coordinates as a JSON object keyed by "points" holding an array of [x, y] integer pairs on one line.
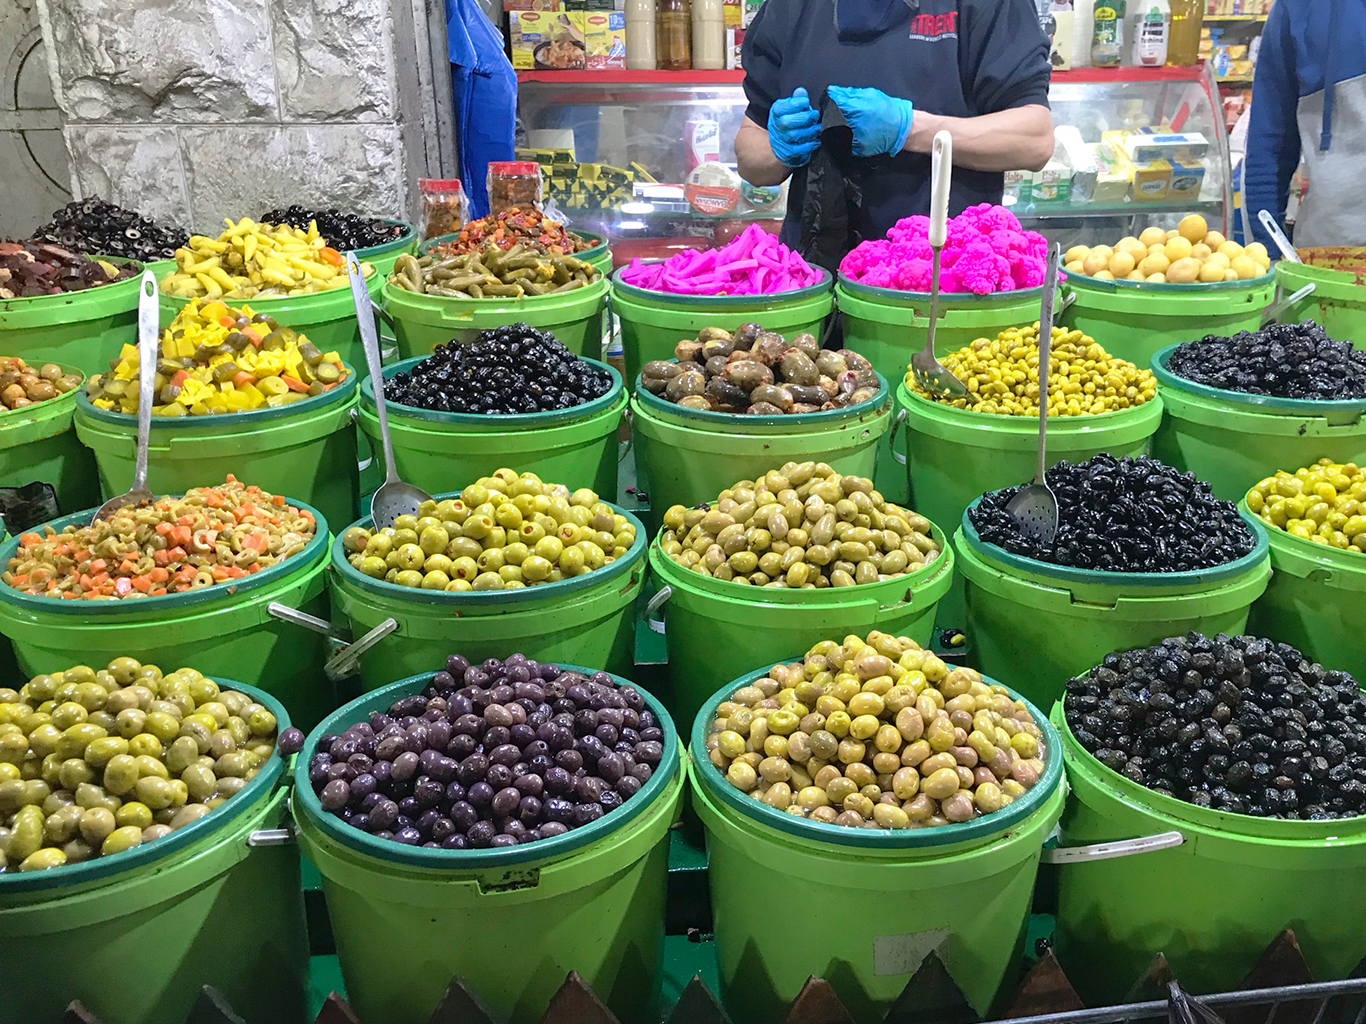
{"points": [[845, 98]]}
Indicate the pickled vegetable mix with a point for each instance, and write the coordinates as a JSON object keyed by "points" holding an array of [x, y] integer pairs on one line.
{"points": [[211, 535], [216, 359], [529, 228], [249, 259]]}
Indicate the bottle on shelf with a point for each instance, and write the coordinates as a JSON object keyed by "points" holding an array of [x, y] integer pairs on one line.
{"points": [[1107, 34], [708, 35], [640, 35], [1150, 33], [673, 35], [1183, 41]]}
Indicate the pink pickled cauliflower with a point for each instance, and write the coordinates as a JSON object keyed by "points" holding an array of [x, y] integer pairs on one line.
{"points": [[986, 251]]}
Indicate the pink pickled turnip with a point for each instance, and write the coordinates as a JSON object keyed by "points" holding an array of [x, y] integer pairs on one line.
{"points": [[752, 263]]}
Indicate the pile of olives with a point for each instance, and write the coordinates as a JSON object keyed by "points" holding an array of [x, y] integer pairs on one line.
{"points": [[96, 227], [757, 372], [877, 733], [95, 762], [491, 754], [503, 532], [1238, 724], [1285, 360], [343, 231], [1325, 503], [803, 525], [21, 384]]}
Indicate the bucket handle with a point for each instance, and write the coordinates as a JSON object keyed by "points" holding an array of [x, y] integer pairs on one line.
{"points": [[624, 447], [363, 464], [285, 613], [902, 416], [655, 604], [283, 836], [1118, 848], [345, 660], [1276, 308]]}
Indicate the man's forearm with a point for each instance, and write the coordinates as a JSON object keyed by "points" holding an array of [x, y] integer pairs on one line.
{"points": [[1008, 140], [754, 157]]}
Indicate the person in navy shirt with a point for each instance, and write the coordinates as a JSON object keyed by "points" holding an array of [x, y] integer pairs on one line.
{"points": [[899, 71]]}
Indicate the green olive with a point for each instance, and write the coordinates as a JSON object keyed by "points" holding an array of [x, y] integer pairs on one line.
{"points": [[121, 839]]}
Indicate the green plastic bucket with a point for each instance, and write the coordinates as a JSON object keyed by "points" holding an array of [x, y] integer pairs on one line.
{"points": [[306, 448], [386, 254], [1316, 601], [512, 922], [37, 444], [688, 456], [598, 254], [197, 907], [951, 457], [889, 897], [1338, 300], [716, 630], [1133, 320], [1232, 439], [576, 447], [1212, 904], [422, 322], [77, 329], [224, 629], [653, 323], [588, 618], [887, 325], [327, 318], [1037, 625]]}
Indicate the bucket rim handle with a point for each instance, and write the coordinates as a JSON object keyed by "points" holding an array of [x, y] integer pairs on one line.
{"points": [[1271, 312], [658, 601], [346, 661], [902, 415], [1118, 848]]}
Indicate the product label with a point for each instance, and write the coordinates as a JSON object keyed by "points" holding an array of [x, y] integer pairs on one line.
{"points": [[701, 142], [711, 198]]}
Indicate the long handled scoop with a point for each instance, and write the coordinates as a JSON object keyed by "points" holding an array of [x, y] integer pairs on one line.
{"points": [[1035, 508], [394, 498], [148, 329], [1278, 236], [928, 371]]}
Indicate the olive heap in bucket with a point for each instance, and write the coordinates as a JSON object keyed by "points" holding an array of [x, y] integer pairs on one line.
{"points": [[1256, 764], [957, 882], [571, 878], [68, 929]]}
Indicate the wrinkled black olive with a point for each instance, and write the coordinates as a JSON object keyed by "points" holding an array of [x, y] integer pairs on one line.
{"points": [[341, 230], [1284, 360]]}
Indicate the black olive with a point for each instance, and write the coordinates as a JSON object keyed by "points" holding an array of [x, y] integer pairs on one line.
{"points": [[1285, 360]]}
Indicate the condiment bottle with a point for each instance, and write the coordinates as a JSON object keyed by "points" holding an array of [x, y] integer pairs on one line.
{"points": [[673, 32], [640, 35], [708, 35]]}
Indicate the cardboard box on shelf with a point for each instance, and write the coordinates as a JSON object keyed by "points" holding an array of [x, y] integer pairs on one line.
{"points": [[546, 39], [1112, 181], [604, 39], [1160, 143], [1187, 178]]}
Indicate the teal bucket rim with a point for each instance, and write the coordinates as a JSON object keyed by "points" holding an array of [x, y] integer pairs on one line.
{"points": [[676, 574], [43, 408], [1083, 282], [1231, 825], [100, 868], [1305, 548], [514, 420], [1026, 424], [349, 384], [314, 551], [999, 558], [947, 300], [655, 404], [596, 251], [1259, 403], [256, 300], [985, 826], [492, 857], [349, 574], [131, 281], [724, 302]]}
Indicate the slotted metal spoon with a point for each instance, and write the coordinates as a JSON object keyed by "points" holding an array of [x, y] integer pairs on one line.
{"points": [[1035, 508], [932, 375], [394, 497], [149, 327]]}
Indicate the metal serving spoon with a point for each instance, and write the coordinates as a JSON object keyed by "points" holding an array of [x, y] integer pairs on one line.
{"points": [[928, 371], [394, 498], [149, 328], [1035, 508]]}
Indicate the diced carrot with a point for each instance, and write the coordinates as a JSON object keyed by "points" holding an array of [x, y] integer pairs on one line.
{"points": [[179, 378], [255, 340], [293, 383], [30, 539], [98, 565], [142, 583], [158, 574], [331, 255], [176, 553], [219, 572], [159, 592], [256, 541], [243, 379], [226, 321], [19, 579]]}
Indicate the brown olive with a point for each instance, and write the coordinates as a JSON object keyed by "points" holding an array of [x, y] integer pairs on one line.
{"points": [[717, 347], [854, 361], [764, 409], [689, 382], [769, 348], [689, 350], [807, 344], [715, 366], [807, 394], [773, 394], [746, 335], [695, 402], [797, 368], [723, 393], [748, 375]]}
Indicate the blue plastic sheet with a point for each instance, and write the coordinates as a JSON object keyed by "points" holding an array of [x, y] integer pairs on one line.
{"points": [[485, 93]]}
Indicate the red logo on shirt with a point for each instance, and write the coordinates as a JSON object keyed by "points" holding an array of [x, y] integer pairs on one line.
{"points": [[934, 27]]}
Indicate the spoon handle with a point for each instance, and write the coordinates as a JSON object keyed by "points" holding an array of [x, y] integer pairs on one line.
{"points": [[365, 319], [148, 329], [1050, 288], [941, 168]]}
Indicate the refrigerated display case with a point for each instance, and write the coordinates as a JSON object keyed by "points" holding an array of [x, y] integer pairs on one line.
{"points": [[638, 122]]}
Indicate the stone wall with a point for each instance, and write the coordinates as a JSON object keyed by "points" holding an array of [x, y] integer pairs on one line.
{"points": [[196, 110]]}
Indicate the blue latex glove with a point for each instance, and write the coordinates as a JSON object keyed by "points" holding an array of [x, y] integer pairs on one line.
{"points": [[881, 123], [794, 129]]}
